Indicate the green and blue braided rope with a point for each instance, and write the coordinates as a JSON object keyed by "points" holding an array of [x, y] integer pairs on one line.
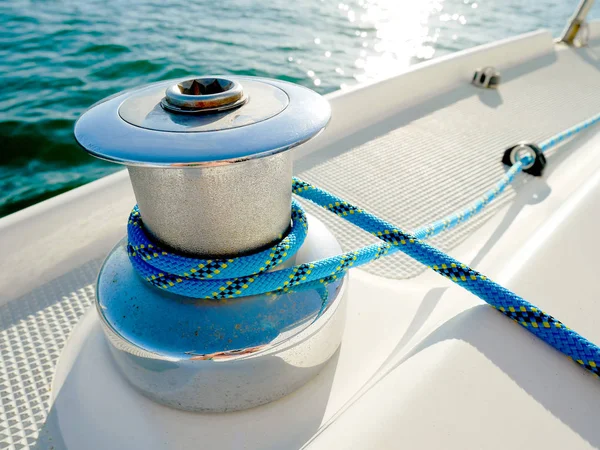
{"points": [[203, 278], [251, 275], [216, 281], [454, 219], [569, 132]]}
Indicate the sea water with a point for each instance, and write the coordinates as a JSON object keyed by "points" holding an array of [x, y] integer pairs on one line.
{"points": [[59, 57]]}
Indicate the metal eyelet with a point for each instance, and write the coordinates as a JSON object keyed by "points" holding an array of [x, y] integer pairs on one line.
{"points": [[519, 152]]}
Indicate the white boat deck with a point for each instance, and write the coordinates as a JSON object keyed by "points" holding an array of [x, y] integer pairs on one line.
{"points": [[422, 364], [427, 160]]}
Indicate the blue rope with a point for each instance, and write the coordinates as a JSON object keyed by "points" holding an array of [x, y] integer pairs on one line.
{"points": [[557, 139], [250, 275], [454, 219]]}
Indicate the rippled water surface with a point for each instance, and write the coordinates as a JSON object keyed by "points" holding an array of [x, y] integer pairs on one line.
{"points": [[57, 58]]}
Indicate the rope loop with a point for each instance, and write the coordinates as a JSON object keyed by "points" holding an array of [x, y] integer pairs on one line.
{"points": [[161, 262]]}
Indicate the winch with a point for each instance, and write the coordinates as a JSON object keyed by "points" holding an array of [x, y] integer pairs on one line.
{"points": [[211, 170]]}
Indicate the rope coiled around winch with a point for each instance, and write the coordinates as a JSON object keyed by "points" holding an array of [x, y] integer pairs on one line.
{"points": [[251, 275]]}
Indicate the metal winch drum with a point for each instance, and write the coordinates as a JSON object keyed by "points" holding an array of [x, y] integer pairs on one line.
{"points": [[211, 170]]}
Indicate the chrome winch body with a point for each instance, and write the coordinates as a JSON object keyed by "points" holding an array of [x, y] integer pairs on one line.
{"points": [[211, 173]]}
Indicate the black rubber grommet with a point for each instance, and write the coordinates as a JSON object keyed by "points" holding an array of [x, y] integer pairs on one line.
{"points": [[537, 168]]}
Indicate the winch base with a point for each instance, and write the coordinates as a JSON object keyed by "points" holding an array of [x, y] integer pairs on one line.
{"points": [[220, 355]]}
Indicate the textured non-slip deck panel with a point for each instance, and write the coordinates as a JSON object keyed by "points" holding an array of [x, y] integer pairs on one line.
{"points": [[33, 332], [440, 156]]}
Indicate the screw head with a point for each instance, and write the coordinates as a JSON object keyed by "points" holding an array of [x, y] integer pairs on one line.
{"points": [[203, 95]]}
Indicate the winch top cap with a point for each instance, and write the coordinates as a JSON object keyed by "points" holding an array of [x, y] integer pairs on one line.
{"points": [[200, 121]]}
